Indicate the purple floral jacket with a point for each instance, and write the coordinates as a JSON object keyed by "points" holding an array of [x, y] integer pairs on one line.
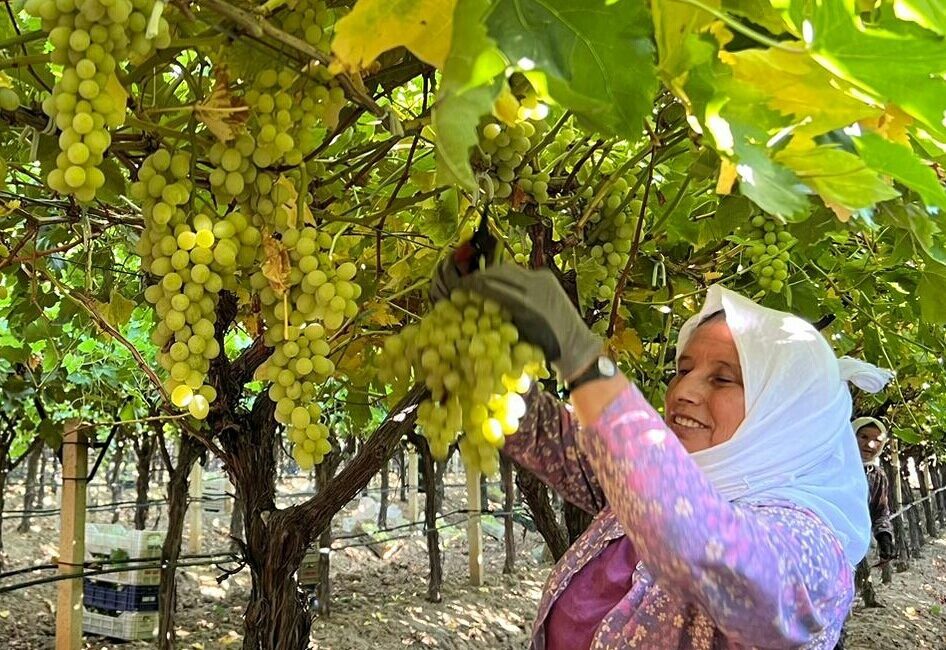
{"points": [[714, 574]]}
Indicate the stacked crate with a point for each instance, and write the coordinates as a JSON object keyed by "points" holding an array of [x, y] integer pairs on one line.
{"points": [[216, 498], [308, 574], [124, 604]]}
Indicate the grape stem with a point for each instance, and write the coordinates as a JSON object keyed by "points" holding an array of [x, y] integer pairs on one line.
{"points": [[22, 39], [23, 61], [635, 246], [258, 26]]}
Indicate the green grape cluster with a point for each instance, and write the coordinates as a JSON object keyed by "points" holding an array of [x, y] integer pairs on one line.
{"points": [[610, 234], [311, 298], [9, 100], [90, 39], [184, 258], [468, 353], [233, 169], [312, 20], [521, 248], [536, 184], [271, 101], [502, 148], [769, 252]]}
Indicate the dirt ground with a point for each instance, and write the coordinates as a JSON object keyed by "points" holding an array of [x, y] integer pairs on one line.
{"points": [[378, 604]]}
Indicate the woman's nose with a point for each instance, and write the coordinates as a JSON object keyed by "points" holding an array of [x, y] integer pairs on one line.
{"points": [[689, 389]]}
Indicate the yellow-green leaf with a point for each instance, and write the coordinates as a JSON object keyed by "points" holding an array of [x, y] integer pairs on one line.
{"points": [[673, 22], [375, 26], [839, 177], [119, 308], [795, 85]]}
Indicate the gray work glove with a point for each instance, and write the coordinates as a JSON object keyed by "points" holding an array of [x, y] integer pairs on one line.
{"points": [[539, 307]]}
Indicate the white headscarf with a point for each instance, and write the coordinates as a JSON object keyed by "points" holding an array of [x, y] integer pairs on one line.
{"points": [[795, 443]]}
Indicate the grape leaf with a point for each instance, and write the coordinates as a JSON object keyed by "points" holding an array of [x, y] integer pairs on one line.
{"points": [[760, 12], [794, 84], [930, 294], [374, 26], [771, 186], [839, 177], [468, 86], [899, 162], [925, 232], [930, 14], [596, 57], [221, 112], [673, 22], [906, 69]]}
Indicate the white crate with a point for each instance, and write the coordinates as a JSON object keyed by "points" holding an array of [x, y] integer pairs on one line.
{"points": [[217, 488], [308, 573], [102, 539], [129, 626]]}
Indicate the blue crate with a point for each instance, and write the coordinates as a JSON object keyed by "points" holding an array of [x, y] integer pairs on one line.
{"points": [[111, 597]]}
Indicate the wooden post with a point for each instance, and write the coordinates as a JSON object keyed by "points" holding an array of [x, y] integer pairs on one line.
{"points": [[913, 515], [474, 529], [899, 523], [938, 473], [926, 492], [412, 485], [75, 471], [195, 510], [509, 496]]}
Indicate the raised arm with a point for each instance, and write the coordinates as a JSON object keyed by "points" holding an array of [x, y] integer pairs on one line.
{"points": [[768, 576], [546, 445]]}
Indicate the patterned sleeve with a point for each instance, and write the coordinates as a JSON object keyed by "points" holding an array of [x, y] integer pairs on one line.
{"points": [[878, 503], [769, 576], [545, 445]]}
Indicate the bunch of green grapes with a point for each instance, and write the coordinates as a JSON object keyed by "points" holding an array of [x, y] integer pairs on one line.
{"points": [[769, 252], [236, 250], [610, 233], [521, 247], [233, 168], [502, 147], [312, 299], [467, 352], [181, 256], [535, 184], [270, 99], [90, 39]]}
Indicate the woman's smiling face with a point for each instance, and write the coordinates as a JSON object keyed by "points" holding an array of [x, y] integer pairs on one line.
{"points": [[705, 401]]}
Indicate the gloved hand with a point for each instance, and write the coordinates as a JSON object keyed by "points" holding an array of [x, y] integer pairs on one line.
{"points": [[886, 548], [540, 309]]}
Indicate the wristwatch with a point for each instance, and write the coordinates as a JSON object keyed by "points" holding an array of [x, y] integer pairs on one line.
{"points": [[602, 368]]}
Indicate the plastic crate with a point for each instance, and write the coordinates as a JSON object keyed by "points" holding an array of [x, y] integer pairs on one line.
{"points": [[102, 595], [101, 540], [308, 573], [128, 626], [217, 489]]}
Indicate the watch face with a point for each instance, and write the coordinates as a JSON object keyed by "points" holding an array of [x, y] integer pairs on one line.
{"points": [[606, 367]]}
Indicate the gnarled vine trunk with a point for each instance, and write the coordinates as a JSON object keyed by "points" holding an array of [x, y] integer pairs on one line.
{"points": [[115, 479], [29, 495], [144, 451], [178, 485], [277, 616], [536, 495]]}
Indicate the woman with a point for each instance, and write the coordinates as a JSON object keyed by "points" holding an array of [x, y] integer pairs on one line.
{"points": [[871, 435], [732, 522]]}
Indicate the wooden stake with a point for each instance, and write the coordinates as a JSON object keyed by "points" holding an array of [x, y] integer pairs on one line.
{"points": [[474, 529], [195, 509], [412, 485], [75, 471]]}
